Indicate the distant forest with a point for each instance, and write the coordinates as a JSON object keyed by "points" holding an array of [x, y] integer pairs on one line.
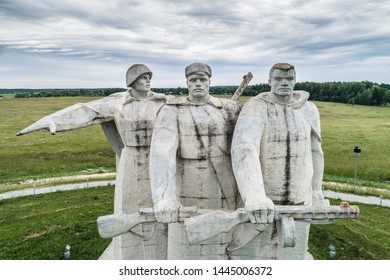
{"points": [[363, 93]]}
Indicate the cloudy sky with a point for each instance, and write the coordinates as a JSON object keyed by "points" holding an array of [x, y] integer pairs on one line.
{"points": [[71, 43]]}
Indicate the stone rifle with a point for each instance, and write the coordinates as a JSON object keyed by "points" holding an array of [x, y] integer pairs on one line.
{"points": [[244, 83], [202, 224]]}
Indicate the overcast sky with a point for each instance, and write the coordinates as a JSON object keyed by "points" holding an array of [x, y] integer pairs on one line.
{"points": [[69, 43]]}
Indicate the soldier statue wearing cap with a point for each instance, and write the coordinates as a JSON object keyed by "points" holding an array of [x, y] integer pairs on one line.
{"points": [[190, 162], [127, 119]]}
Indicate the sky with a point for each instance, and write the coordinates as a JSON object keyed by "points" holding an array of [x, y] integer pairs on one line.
{"points": [[91, 44]]}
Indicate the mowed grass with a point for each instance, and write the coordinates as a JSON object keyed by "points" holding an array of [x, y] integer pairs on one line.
{"points": [[39, 228], [364, 238], [41, 155], [343, 128]]}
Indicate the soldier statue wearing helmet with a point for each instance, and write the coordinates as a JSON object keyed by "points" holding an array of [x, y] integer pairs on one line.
{"points": [[135, 71], [127, 119]]}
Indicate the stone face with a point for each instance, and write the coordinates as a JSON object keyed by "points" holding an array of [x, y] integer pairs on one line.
{"points": [[127, 119]]}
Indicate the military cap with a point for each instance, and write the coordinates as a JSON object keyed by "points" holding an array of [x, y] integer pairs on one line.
{"points": [[198, 67]]}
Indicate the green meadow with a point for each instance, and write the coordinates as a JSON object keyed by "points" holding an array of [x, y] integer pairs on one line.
{"points": [[39, 227], [344, 127], [41, 155], [86, 151]]}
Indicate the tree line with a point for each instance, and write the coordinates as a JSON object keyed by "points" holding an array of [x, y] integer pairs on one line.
{"points": [[31, 93], [362, 93]]}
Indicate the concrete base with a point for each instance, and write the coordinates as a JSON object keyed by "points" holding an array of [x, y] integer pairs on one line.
{"points": [[108, 253], [309, 256]]}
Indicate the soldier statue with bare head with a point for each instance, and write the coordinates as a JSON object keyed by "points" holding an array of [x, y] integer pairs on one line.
{"points": [[277, 157]]}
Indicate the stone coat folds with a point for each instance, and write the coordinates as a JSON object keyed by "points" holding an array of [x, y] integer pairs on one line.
{"points": [[128, 124], [273, 146], [278, 148], [190, 161]]}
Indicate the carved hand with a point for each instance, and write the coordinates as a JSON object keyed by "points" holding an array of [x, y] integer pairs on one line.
{"points": [[167, 211], [318, 199], [44, 123], [260, 212]]}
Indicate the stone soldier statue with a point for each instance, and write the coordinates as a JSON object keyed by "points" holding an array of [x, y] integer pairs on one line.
{"points": [[190, 162], [127, 119], [277, 159]]}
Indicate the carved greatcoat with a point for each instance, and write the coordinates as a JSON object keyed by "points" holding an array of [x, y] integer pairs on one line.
{"points": [[278, 148], [190, 161], [128, 124]]}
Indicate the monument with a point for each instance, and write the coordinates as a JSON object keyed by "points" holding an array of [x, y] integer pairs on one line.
{"points": [[127, 119], [199, 177]]}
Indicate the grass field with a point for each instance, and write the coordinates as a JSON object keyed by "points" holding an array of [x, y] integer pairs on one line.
{"points": [[343, 128], [40, 155], [40, 226]]}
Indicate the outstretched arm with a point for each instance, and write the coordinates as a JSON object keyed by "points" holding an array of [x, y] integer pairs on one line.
{"points": [[246, 163], [73, 117], [44, 123], [163, 150]]}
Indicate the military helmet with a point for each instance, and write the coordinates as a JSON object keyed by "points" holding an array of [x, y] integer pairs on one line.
{"points": [[135, 71]]}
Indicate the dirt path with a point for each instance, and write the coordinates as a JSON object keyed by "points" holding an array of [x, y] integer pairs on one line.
{"points": [[64, 187], [373, 200], [88, 182]]}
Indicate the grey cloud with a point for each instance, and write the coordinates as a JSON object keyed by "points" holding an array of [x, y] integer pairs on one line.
{"points": [[227, 34], [19, 9], [317, 22]]}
